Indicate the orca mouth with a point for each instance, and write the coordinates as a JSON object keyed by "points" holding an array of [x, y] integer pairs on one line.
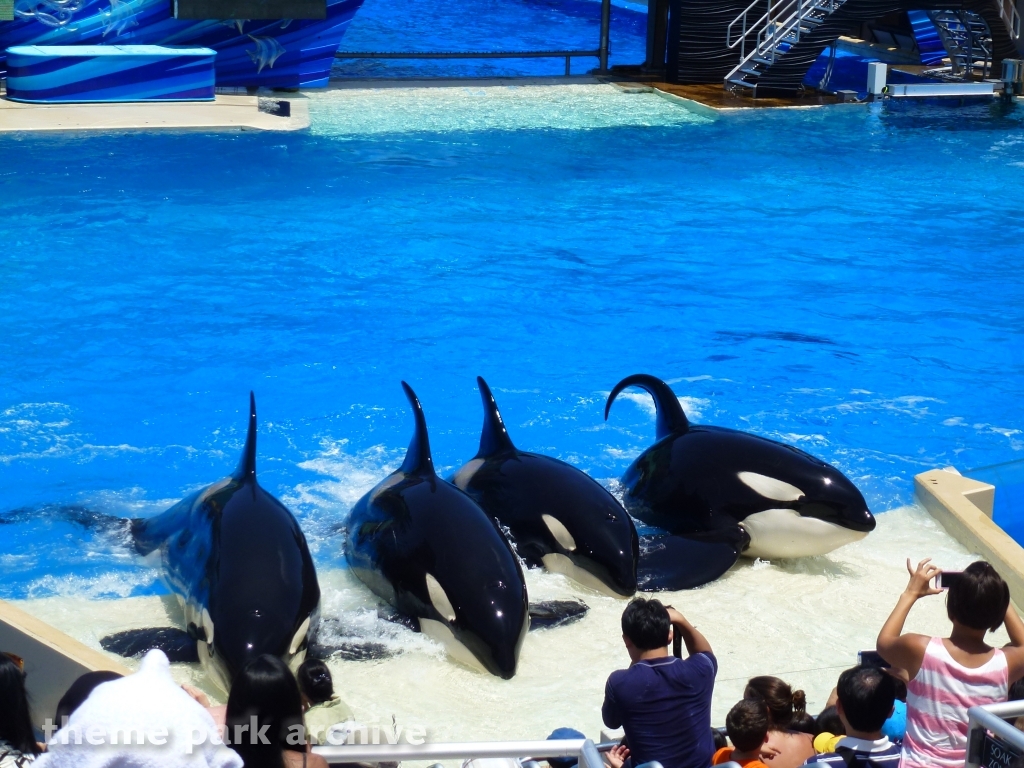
{"points": [[590, 574], [855, 518], [785, 533]]}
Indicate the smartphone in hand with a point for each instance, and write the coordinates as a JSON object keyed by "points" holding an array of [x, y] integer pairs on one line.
{"points": [[946, 579], [872, 659]]}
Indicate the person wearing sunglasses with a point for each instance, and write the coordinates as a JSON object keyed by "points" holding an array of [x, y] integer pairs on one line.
{"points": [[18, 745]]}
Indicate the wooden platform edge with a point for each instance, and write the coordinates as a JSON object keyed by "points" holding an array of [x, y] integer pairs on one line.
{"points": [[964, 508], [53, 660]]}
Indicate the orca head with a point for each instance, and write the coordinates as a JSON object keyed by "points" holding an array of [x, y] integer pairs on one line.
{"points": [[591, 537], [600, 555], [817, 510], [263, 591]]}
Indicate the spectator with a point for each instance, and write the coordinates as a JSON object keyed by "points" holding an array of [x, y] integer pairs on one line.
{"points": [[17, 742], [804, 722], [747, 726], [830, 730], [662, 702], [949, 675], [866, 696], [322, 706], [785, 748], [78, 692], [266, 690]]}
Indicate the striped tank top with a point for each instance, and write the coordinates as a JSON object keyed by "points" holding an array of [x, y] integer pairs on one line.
{"points": [[937, 703]]}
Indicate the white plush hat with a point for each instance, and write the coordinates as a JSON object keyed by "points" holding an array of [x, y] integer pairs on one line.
{"points": [[153, 708]]}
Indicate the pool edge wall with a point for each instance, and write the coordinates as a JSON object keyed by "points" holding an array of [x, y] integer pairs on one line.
{"points": [[964, 508], [53, 660]]}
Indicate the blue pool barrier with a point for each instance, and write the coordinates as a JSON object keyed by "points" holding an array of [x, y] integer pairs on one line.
{"points": [[49, 74]]}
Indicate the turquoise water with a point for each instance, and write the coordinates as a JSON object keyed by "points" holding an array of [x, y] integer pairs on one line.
{"points": [[847, 280]]}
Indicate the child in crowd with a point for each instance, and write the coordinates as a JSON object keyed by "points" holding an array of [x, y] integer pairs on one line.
{"points": [[747, 726], [866, 696], [949, 675], [830, 730], [786, 748], [322, 706]]}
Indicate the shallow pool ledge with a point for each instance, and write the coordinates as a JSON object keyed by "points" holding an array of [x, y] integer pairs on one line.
{"points": [[226, 112], [964, 508], [53, 660]]}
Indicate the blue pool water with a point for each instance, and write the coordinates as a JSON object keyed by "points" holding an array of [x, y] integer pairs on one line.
{"points": [[847, 280], [488, 25]]}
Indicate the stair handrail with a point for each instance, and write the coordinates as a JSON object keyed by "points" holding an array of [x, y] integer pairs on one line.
{"points": [[1010, 18]]}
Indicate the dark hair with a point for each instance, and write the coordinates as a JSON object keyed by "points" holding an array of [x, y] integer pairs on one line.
{"points": [[829, 722], [747, 724], [803, 722], [15, 720], [718, 736], [645, 623], [1016, 692], [314, 679], [979, 598], [781, 700], [264, 689], [867, 695], [79, 691]]}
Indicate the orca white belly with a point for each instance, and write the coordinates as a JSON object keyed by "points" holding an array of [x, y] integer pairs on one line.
{"points": [[783, 533]]}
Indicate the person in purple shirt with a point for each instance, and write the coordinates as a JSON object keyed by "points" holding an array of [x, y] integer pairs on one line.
{"points": [[662, 702]]}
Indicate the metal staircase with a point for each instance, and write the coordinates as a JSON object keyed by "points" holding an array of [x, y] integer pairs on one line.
{"points": [[967, 39], [762, 41]]}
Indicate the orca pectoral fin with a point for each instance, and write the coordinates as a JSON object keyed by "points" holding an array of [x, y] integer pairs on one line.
{"points": [[669, 563], [556, 613], [351, 649], [176, 643]]}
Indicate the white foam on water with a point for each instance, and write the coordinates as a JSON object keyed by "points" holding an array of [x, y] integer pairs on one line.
{"points": [[693, 407], [364, 111], [802, 620]]}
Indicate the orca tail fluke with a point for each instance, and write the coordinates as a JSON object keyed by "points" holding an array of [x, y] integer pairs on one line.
{"points": [[671, 418], [417, 459], [494, 437], [246, 471]]}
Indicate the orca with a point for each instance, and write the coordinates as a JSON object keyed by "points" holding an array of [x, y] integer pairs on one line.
{"points": [[722, 491], [432, 553], [240, 566], [556, 515]]}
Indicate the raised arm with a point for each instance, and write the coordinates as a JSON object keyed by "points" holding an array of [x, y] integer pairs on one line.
{"points": [[907, 650], [1014, 650], [694, 641]]}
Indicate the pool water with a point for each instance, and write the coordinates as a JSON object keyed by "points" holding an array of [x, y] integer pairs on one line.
{"points": [[806, 275]]}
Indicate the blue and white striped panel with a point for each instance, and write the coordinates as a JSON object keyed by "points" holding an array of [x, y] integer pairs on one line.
{"points": [[109, 73]]}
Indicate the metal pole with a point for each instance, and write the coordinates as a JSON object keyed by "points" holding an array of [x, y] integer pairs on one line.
{"points": [[606, 15], [567, 60]]}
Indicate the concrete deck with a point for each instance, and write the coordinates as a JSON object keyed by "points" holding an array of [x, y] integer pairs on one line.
{"points": [[52, 659], [227, 112], [964, 508]]}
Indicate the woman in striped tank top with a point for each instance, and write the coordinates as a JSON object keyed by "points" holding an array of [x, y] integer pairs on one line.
{"points": [[949, 675]]}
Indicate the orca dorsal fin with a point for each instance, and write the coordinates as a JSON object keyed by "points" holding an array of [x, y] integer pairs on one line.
{"points": [[246, 470], [671, 419], [417, 458], [494, 437]]}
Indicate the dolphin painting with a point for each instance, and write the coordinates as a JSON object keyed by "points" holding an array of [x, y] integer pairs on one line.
{"points": [[720, 493], [557, 516], [240, 566], [430, 551]]}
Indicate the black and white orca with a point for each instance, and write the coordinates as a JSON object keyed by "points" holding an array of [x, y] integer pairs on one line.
{"points": [[432, 553], [240, 566], [721, 492], [557, 516]]}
